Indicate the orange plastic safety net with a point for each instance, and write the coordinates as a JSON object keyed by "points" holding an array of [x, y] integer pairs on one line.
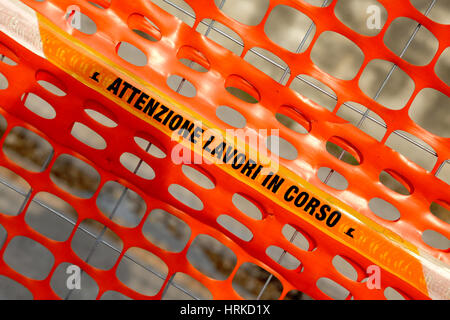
{"points": [[268, 224]]}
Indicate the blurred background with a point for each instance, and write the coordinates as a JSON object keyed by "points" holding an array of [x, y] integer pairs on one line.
{"points": [[287, 28]]}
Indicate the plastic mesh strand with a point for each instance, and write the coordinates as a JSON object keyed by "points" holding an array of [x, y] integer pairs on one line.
{"points": [[324, 125]]}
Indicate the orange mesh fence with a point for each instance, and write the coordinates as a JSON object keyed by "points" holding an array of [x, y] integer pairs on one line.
{"points": [[144, 111]]}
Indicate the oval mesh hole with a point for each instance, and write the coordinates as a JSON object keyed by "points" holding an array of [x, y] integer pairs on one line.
{"points": [[413, 148], [88, 136], [101, 4], [297, 238], [249, 12], [3, 125], [319, 3], [7, 60], [422, 48], [3, 236], [137, 166], [389, 179], [39, 106], [268, 63], [345, 268], [12, 194], [211, 257], [193, 58], [246, 206], [51, 216], [441, 210], [166, 230], [181, 86], [122, 205], [13, 290], [222, 35], [367, 16], [81, 22], [343, 151], [114, 295], [283, 257], [297, 295], [429, 102], [392, 294], [249, 281], [29, 258], [397, 90], [444, 172], [231, 117], [142, 271], [184, 287], [198, 177], [436, 240], [442, 67], [3, 82], [235, 227], [287, 27], [95, 241], [372, 123], [27, 149], [101, 118], [186, 197], [186, 14], [440, 12], [242, 89], [131, 54], [153, 150], [193, 65], [349, 55], [75, 176], [53, 88], [287, 121], [144, 27], [51, 83], [384, 209], [281, 147], [88, 288], [332, 178], [311, 88], [332, 289]]}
